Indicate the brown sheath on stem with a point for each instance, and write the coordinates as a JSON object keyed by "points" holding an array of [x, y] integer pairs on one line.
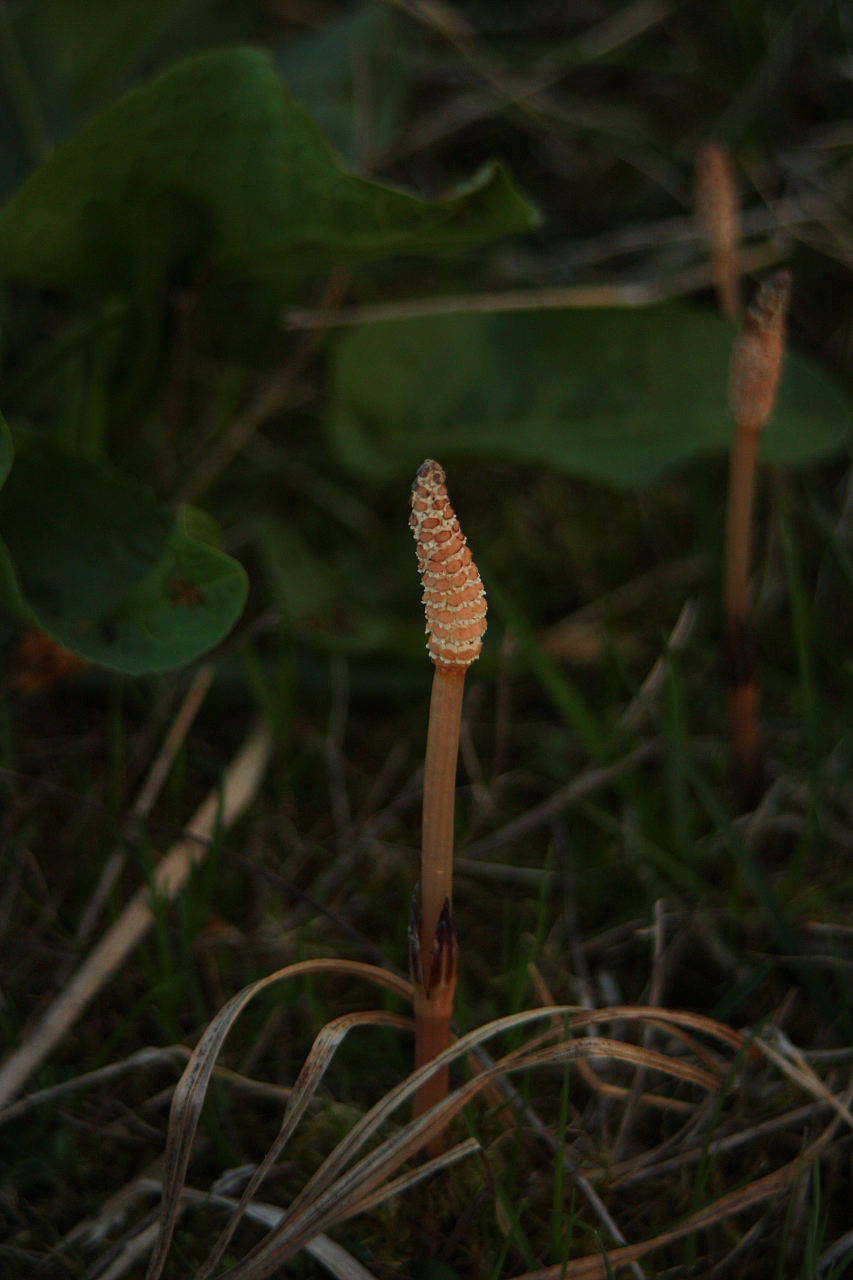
{"points": [[754, 372], [455, 606]]}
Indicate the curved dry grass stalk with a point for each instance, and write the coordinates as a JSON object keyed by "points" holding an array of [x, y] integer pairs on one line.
{"points": [[332, 1196], [336, 1192], [192, 1087], [792, 1064]]}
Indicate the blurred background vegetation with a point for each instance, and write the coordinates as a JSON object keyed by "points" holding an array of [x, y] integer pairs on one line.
{"points": [[247, 253]]}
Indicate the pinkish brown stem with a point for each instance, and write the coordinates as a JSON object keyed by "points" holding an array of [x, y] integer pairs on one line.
{"points": [[738, 658], [739, 521], [445, 718], [455, 607], [437, 960]]}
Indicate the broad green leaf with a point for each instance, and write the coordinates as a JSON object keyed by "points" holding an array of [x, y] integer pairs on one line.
{"points": [[617, 396], [218, 138], [63, 60], [89, 558], [318, 595], [320, 70]]}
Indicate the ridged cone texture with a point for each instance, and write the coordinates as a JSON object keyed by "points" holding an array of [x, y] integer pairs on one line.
{"points": [[454, 599], [757, 354]]}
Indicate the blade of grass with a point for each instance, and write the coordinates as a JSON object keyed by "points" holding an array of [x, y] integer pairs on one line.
{"points": [[774, 915], [192, 1088], [568, 701], [331, 1195], [676, 753], [144, 802], [559, 1249], [802, 628], [240, 786], [772, 1184], [707, 1157]]}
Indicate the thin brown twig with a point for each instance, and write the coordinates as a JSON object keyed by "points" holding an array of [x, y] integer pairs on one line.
{"points": [[594, 1267], [638, 293], [218, 811], [587, 782], [144, 802], [629, 1115], [270, 400], [141, 1060], [650, 1165]]}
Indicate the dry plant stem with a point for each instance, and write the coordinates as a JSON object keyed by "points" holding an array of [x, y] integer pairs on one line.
{"points": [[643, 293], [739, 521], [727, 285], [738, 658]]}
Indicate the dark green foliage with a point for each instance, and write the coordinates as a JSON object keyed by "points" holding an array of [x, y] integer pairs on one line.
{"points": [[257, 187], [210, 166], [89, 558], [617, 396]]}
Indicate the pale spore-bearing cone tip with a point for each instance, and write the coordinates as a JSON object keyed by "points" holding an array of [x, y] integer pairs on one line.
{"points": [[715, 198], [756, 361], [454, 599]]}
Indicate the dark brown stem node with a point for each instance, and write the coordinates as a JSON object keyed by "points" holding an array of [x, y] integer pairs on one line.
{"points": [[440, 980]]}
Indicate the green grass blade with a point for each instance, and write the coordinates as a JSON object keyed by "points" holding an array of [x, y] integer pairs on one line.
{"points": [[563, 694]]}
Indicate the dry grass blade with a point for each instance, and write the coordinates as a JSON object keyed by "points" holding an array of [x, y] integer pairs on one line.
{"points": [[192, 1087], [332, 1195], [587, 782], [572, 1049], [335, 1259], [144, 802], [322, 1051], [795, 1067], [666, 1017], [133, 1251], [363, 1187], [598, 1047], [221, 808], [137, 1061], [408, 1180], [639, 293]]}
